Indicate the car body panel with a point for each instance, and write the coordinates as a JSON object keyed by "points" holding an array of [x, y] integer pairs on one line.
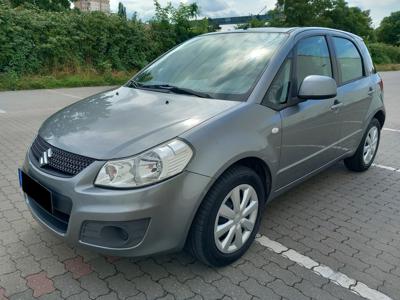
{"points": [[356, 102], [249, 134], [292, 143], [310, 134], [126, 121], [164, 203]]}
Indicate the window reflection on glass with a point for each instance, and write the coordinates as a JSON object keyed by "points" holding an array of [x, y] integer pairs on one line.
{"points": [[225, 66], [349, 59], [279, 89], [313, 58]]}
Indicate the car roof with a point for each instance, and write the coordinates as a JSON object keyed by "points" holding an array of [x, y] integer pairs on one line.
{"points": [[289, 30]]}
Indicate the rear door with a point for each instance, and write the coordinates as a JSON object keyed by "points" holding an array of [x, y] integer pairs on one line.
{"points": [[355, 91], [310, 129]]}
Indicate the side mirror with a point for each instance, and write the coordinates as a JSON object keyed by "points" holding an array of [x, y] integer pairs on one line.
{"points": [[317, 87]]}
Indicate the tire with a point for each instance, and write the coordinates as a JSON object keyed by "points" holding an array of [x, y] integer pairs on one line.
{"points": [[203, 242], [358, 161]]}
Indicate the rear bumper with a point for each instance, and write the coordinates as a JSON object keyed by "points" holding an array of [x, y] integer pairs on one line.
{"points": [[151, 220]]}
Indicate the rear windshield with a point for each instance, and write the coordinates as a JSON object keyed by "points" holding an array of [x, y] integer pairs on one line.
{"points": [[224, 66]]}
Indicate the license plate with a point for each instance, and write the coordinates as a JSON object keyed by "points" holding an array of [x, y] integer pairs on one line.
{"points": [[36, 191]]}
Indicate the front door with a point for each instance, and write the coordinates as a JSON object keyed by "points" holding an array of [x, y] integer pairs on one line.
{"points": [[310, 129]]}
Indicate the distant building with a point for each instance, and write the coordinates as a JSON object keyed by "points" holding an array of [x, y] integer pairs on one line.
{"points": [[93, 5]]}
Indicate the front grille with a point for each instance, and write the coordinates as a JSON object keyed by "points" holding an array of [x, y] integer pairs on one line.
{"points": [[61, 162]]}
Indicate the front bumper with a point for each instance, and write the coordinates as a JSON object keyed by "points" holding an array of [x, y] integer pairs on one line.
{"points": [[156, 218]]}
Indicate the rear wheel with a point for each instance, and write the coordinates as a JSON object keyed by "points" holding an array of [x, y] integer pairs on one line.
{"points": [[366, 151], [229, 218]]}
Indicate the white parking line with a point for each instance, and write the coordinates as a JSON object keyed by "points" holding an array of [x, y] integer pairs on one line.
{"points": [[2, 111], [391, 129], [338, 278], [386, 168]]}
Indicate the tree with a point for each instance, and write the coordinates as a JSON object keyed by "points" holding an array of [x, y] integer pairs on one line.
{"points": [[173, 25], [121, 10], [51, 5], [351, 19], [300, 13], [4, 2], [181, 18], [326, 13], [253, 23], [134, 17], [389, 29]]}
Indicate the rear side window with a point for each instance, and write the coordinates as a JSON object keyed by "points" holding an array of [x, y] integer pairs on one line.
{"points": [[369, 64], [312, 58], [348, 58]]}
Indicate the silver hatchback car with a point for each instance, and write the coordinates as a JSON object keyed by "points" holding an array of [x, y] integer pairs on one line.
{"points": [[190, 150]]}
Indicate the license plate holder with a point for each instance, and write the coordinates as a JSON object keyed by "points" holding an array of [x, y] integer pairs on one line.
{"points": [[36, 191]]}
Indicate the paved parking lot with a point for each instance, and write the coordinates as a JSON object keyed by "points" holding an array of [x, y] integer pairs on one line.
{"points": [[333, 236]]}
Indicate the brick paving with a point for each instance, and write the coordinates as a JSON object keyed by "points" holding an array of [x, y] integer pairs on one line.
{"points": [[77, 267], [40, 284], [349, 222]]}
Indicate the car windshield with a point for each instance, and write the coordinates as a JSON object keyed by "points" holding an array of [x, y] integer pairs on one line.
{"points": [[223, 66]]}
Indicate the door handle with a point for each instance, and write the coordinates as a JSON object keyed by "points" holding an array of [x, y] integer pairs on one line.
{"points": [[336, 105], [371, 91]]}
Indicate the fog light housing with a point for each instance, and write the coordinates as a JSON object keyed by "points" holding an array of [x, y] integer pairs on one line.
{"points": [[123, 234]]}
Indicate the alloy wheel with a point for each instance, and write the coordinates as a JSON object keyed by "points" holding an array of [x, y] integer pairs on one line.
{"points": [[370, 145]]}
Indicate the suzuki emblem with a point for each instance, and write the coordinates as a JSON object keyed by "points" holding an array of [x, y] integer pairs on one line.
{"points": [[44, 159]]}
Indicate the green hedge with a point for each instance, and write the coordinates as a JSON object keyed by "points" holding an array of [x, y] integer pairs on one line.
{"points": [[384, 54], [34, 41]]}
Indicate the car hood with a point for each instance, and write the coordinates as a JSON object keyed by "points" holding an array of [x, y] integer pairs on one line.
{"points": [[126, 121]]}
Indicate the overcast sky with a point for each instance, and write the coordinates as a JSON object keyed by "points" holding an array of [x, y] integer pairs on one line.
{"points": [[228, 8]]}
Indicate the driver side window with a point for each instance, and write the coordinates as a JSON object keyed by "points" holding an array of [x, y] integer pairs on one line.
{"points": [[312, 58]]}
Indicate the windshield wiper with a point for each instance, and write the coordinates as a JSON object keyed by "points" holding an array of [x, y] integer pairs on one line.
{"points": [[173, 89], [133, 83]]}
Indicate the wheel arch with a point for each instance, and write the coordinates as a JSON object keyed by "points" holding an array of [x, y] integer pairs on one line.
{"points": [[260, 167], [380, 116], [253, 162]]}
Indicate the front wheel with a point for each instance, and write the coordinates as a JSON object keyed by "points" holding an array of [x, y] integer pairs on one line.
{"points": [[366, 151], [229, 218]]}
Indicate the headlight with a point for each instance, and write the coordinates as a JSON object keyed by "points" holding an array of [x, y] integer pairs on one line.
{"points": [[152, 166]]}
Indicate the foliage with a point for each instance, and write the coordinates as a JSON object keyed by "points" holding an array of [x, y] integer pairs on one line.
{"points": [[87, 77], [388, 67], [34, 41], [325, 13], [300, 12], [121, 10], [253, 23], [351, 19], [389, 29], [52, 5], [384, 54], [173, 25]]}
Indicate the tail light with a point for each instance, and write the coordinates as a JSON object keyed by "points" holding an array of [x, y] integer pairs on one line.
{"points": [[381, 84]]}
